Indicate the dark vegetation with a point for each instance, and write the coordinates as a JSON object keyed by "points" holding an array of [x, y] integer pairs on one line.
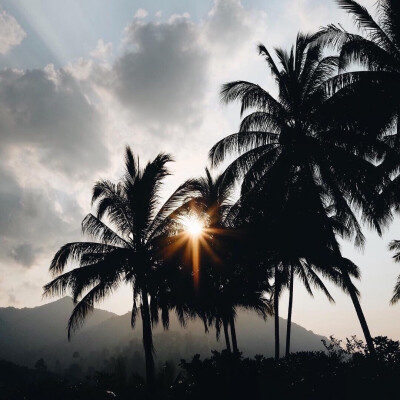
{"points": [[343, 371]]}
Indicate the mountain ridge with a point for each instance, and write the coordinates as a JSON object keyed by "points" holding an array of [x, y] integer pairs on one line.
{"points": [[28, 334]]}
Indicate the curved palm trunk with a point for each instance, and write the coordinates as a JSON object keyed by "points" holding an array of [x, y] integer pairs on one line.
{"points": [[289, 319], [148, 342], [276, 312], [233, 334], [360, 314], [353, 295], [226, 333]]}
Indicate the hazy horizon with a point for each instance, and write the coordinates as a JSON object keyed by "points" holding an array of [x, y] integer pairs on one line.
{"points": [[80, 80]]}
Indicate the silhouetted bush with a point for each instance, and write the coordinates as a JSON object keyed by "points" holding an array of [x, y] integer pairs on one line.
{"points": [[343, 371]]}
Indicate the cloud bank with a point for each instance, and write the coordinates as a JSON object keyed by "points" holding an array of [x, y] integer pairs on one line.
{"points": [[11, 32]]}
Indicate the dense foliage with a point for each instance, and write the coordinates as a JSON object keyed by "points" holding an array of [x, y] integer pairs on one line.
{"points": [[344, 371]]}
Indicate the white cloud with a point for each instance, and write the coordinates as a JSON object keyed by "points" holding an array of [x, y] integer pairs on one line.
{"points": [[231, 27], [141, 13], [11, 33], [80, 69], [102, 50]]}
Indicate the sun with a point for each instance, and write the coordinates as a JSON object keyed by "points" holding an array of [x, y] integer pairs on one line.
{"points": [[193, 225]]}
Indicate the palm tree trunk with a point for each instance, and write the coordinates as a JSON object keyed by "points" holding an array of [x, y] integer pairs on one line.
{"points": [[289, 319], [233, 334], [148, 342], [226, 333], [360, 314], [276, 312]]}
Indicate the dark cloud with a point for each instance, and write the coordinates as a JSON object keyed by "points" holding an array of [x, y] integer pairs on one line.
{"points": [[50, 133], [46, 110], [31, 222], [161, 78], [24, 254]]}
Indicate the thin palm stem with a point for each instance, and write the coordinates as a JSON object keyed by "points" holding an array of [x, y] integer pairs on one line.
{"points": [[233, 334], [148, 342], [360, 313], [290, 308], [226, 333], [276, 312]]}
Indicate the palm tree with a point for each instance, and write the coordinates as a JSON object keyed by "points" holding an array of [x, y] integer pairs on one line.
{"points": [[211, 197], [126, 226], [299, 135], [223, 284], [295, 239]]}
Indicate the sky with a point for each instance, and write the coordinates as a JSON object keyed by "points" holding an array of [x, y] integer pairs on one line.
{"points": [[80, 80]]}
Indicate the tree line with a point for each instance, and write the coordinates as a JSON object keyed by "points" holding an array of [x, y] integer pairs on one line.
{"points": [[317, 163]]}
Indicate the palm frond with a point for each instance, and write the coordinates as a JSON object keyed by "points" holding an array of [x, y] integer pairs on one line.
{"points": [[271, 63], [94, 228], [73, 252], [131, 164], [364, 20], [251, 96], [169, 209], [111, 202], [86, 305], [241, 142], [396, 296]]}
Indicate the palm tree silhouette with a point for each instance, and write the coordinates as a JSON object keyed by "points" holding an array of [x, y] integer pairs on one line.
{"points": [[125, 250], [225, 280], [296, 135], [211, 197], [293, 237]]}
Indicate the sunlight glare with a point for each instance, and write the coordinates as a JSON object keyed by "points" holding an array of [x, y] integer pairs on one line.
{"points": [[193, 225]]}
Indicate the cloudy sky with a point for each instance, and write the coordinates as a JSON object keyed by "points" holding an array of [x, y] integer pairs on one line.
{"points": [[81, 79]]}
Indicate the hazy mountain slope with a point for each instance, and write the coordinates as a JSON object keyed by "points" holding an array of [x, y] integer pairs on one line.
{"points": [[29, 334], [28, 331]]}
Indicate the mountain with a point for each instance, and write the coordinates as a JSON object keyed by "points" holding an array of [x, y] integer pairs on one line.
{"points": [[29, 334], [26, 332]]}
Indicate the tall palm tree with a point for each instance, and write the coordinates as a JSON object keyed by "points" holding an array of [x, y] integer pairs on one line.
{"points": [[299, 134], [294, 238], [126, 226]]}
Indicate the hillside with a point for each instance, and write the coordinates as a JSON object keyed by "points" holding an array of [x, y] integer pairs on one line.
{"points": [[32, 333]]}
